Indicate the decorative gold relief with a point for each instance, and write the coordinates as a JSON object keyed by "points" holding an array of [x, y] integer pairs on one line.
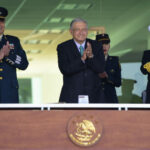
{"points": [[84, 130]]}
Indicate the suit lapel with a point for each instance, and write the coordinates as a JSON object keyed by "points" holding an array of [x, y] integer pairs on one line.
{"points": [[86, 44], [75, 48]]}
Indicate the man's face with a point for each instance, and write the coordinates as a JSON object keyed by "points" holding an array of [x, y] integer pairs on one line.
{"points": [[79, 32], [2, 27], [106, 48]]}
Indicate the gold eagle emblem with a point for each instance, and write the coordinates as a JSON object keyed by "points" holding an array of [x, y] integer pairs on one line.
{"points": [[84, 130]]}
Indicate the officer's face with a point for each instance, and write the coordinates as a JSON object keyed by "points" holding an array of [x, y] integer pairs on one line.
{"points": [[106, 48], [2, 27], [79, 32]]}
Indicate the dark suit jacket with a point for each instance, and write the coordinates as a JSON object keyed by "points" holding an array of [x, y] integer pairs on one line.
{"points": [[145, 59], [8, 78], [80, 78], [113, 70]]}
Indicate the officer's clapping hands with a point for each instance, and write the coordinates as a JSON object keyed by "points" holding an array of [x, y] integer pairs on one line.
{"points": [[1, 54], [6, 49], [103, 75]]}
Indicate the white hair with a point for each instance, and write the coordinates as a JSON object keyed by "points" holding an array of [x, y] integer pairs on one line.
{"points": [[77, 20]]}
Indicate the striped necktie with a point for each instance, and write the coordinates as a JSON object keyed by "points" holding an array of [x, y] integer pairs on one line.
{"points": [[81, 50]]}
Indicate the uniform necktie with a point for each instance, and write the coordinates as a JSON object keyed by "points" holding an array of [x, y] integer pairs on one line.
{"points": [[81, 50]]}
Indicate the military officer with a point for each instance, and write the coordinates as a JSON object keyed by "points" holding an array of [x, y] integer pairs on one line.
{"points": [[12, 56], [112, 77]]}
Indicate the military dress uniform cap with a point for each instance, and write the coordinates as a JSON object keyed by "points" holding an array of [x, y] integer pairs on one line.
{"points": [[104, 38], [3, 13]]}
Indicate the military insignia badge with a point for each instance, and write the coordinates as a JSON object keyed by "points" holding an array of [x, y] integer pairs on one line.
{"points": [[84, 130]]}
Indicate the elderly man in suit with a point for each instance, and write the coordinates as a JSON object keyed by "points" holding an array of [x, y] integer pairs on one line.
{"points": [[12, 56], [80, 61]]}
